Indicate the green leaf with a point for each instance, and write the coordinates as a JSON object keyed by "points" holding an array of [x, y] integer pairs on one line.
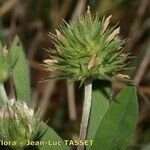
{"points": [[20, 71], [118, 123], [100, 103], [51, 136]]}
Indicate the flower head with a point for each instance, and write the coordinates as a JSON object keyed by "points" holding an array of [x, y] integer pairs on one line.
{"points": [[19, 123], [88, 48]]}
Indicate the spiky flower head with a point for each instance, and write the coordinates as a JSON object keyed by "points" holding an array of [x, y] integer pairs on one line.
{"points": [[88, 48], [19, 123]]}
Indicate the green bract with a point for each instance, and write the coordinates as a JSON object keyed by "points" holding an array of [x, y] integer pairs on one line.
{"points": [[88, 48], [19, 123]]}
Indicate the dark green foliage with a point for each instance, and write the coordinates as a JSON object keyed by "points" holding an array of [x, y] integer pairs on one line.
{"points": [[117, 125], [50, 135], [20, 71], [100, 104]]}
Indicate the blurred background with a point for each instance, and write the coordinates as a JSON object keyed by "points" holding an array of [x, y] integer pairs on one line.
{"points": [[62, 103]]}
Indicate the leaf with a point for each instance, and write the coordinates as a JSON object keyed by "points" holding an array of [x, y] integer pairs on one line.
{"points": [[100, 103], [20, 71], [118, 123], [51, 136]]}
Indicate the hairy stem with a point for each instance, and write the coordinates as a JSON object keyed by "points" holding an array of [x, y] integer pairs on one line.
{"points": [[3, 94], [86, 112]]}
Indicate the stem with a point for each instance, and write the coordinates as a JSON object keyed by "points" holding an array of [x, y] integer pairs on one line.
{"points": [[86, 112], [3, 94], [71, 102]]}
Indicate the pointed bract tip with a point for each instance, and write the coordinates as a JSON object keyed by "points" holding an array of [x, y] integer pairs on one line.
{"points": [[59, 35], [106, 23], [92, 62], [113, 34], [123, 76], [89, 13], [88, 8], [49, 61]]}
